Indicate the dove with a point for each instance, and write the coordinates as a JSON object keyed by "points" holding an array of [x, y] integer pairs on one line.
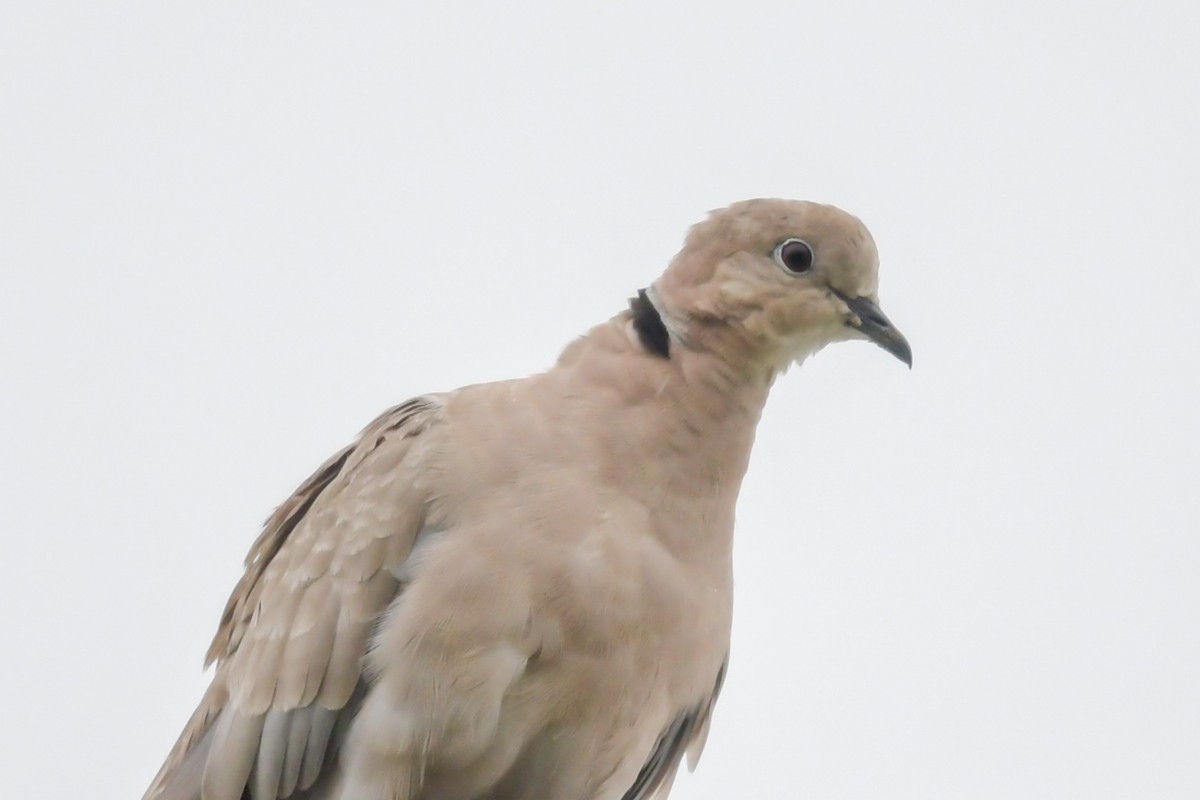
{"points": [[523, 590]]}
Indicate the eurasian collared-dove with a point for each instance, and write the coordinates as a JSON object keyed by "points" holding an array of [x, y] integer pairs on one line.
{"points": [[523, 589]]}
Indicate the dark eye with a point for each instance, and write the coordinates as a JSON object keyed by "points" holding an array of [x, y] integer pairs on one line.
{"points": [[794, 255]]}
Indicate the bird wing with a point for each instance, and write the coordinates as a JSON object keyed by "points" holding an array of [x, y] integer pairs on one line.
{"points": [[686, 734], [290, 645]]}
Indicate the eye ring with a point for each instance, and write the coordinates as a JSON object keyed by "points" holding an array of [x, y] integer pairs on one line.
{"points": [[794, 255]]}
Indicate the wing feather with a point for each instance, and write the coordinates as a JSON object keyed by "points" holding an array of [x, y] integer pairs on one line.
{"points": [[686, 733], [301, 721], [289, 648]]}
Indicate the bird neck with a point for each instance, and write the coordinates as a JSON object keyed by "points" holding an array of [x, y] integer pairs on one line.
{"points": [[683, 424]]}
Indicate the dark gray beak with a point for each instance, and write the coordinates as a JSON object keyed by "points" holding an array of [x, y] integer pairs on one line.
{"points": [[877, 327]]}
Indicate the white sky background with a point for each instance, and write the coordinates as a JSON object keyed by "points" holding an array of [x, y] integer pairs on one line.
{"points": [[229, 237]]}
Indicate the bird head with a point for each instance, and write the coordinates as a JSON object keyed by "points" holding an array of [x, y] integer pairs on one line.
{"points": [[773, 281]]}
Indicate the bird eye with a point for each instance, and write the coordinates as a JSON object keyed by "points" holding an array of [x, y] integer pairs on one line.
{"points": [[794, 255]]}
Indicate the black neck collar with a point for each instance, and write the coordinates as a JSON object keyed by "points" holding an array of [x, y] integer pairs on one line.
{"points": [[649, 326]]}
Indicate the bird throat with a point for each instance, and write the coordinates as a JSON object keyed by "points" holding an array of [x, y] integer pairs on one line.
{"points": [[649, 326]]}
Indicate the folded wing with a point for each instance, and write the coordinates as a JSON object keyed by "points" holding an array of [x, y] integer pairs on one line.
{"points": [[686, 734], [290, 646]]}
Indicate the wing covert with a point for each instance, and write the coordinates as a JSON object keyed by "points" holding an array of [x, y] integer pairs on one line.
{"points": [[291, 639]]}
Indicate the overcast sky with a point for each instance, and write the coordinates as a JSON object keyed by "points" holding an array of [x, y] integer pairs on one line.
{"points": [[232, 233]]}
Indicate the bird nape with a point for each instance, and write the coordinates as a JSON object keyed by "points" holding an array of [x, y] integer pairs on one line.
{"points": [[523, 590]]}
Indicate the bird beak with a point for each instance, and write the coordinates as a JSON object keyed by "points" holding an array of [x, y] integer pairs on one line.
{"points": [[875, 325]]}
